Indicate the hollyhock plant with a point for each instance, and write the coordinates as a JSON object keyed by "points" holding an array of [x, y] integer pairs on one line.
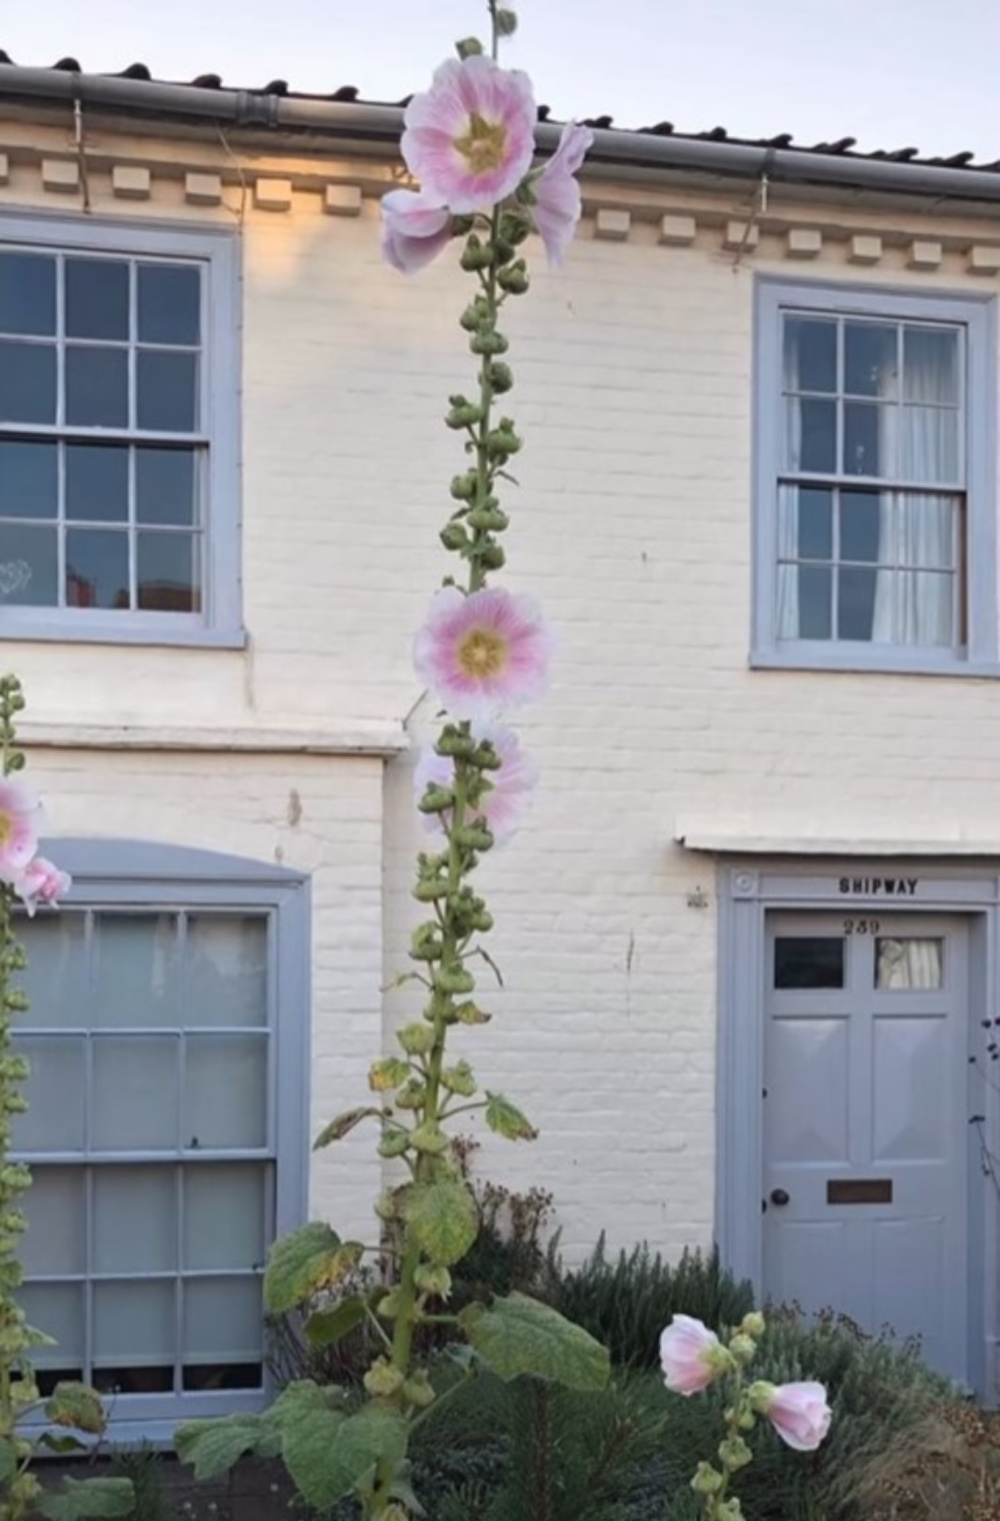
{"points": [[41, 882], [508, 789], [483, 652], [415, 229], [469, 139], [20, 821], [798, 1412], [557, 201]]}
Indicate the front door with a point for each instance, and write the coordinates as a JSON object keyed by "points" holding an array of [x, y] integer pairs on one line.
{"points": [[866, 1122]]}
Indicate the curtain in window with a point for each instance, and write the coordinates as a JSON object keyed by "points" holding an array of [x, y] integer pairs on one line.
{"points": [[788, 508], [904, 964], [917, 441]]}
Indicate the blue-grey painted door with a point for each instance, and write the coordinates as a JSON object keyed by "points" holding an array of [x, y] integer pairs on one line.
{"points": [[865, 1123]]}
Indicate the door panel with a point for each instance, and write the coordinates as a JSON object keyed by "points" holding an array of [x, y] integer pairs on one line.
{"points": [[865, 1120]]}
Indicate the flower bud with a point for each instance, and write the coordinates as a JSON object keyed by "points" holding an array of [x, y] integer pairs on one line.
{"points": [[382, 1380], [417, 1391], [394, 1143], [389, 1305], [475, 314], [463, 413], [505, 22], [707, 1480], [416, 1039], [429, 1138], [430, 891], [734, 1453], [469, 1013], [453, 979], [453, 536], [488, 519], [514, 278], [412, 1094], [452, 741], [742, 1347], [753, 1324], [491, 557], [469, 47], [474, 837]]}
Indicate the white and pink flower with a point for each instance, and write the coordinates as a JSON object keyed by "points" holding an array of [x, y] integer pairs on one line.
{"points": [[557, 193], [41, 882], [20, 821], [504, 805], [689, 1355], [483, 652], [799, 1413], [415, 229], [469, 139]]}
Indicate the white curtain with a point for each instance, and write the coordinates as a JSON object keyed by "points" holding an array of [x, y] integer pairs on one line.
{"points": [[917, 442], [788, 505], [904, 964]]}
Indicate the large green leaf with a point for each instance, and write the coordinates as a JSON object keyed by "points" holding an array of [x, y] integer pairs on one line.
{"points": [[213, 1447], [504, 1118], [517, 1335], [88, 1499], [343, 1124], [328, 1454], [325, 1327], [77, 1406], [443, 1219], [301, 1264]]}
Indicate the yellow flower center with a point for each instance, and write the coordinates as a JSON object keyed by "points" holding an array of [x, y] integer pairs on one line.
{"points": [[483, 145], [481, 654], [6, 828]]}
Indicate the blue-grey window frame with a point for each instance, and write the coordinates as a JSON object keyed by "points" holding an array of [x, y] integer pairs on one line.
{"points": [[977, 315], [220, 621], [136, 874]]}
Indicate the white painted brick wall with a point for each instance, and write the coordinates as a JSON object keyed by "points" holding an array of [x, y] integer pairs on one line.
{"points": [[633, 526]]}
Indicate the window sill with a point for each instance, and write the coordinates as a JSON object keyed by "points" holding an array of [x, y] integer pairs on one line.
{"points": [[59, 632], [882, 664]]}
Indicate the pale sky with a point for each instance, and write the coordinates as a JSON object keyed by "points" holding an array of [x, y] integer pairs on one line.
{"points": [[892, 73]]}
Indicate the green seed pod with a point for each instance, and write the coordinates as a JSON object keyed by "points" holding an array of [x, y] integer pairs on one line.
{"points": [[395, 1143], [413, 1093], [433, 1280], [488, 341], [500, 377], [475, 314], [488, 519], [430, 1138], [430, 891], [470, 1013], [417, 1391], [454, 742], [474, 837], [459, 1079], [382, 1380], [514, 278], [454, 979], [475, 255], [416, 1039], [464, 487], [437, 799], [491, 556], [453, 536]]}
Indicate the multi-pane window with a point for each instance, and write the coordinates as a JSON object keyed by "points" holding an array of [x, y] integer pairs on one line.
{"points": [[164, 1159], [870, 477], [109, 470]]}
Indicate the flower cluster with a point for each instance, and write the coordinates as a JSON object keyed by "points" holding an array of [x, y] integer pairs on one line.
{"points": [[34, 879], [692, 1357], [470, 142]]}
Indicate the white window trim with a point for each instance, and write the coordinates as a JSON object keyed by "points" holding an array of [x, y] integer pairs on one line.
{"points": [[109, 874], [977, 314], [220, 622]]}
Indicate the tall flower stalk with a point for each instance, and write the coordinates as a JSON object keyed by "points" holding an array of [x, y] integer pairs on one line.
{"points": [[483, 650]]}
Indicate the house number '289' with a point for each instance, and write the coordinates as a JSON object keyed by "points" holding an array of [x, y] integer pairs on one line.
{"points": [[861, 926]]}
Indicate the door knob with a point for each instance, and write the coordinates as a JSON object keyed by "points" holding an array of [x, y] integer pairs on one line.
{"points": [[779, 1196]]}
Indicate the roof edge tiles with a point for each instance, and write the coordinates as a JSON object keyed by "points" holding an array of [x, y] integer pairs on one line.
{"points": [[342, 115]]}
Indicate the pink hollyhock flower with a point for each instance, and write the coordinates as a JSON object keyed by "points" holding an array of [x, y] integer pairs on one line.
{"points": [[503, 807], [483, 651], [415, 229], [557, 194], [20, 820], [686, 1355], [799, 1414], [470, 138], [41, 882]]}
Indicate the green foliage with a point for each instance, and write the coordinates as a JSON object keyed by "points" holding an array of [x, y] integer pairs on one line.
{"points": [[144, 1467], [520, 1336], [443, 1219], [304, 1263], [213, 1447], [528, 1451], [627, 1303], [88, 1500]]}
